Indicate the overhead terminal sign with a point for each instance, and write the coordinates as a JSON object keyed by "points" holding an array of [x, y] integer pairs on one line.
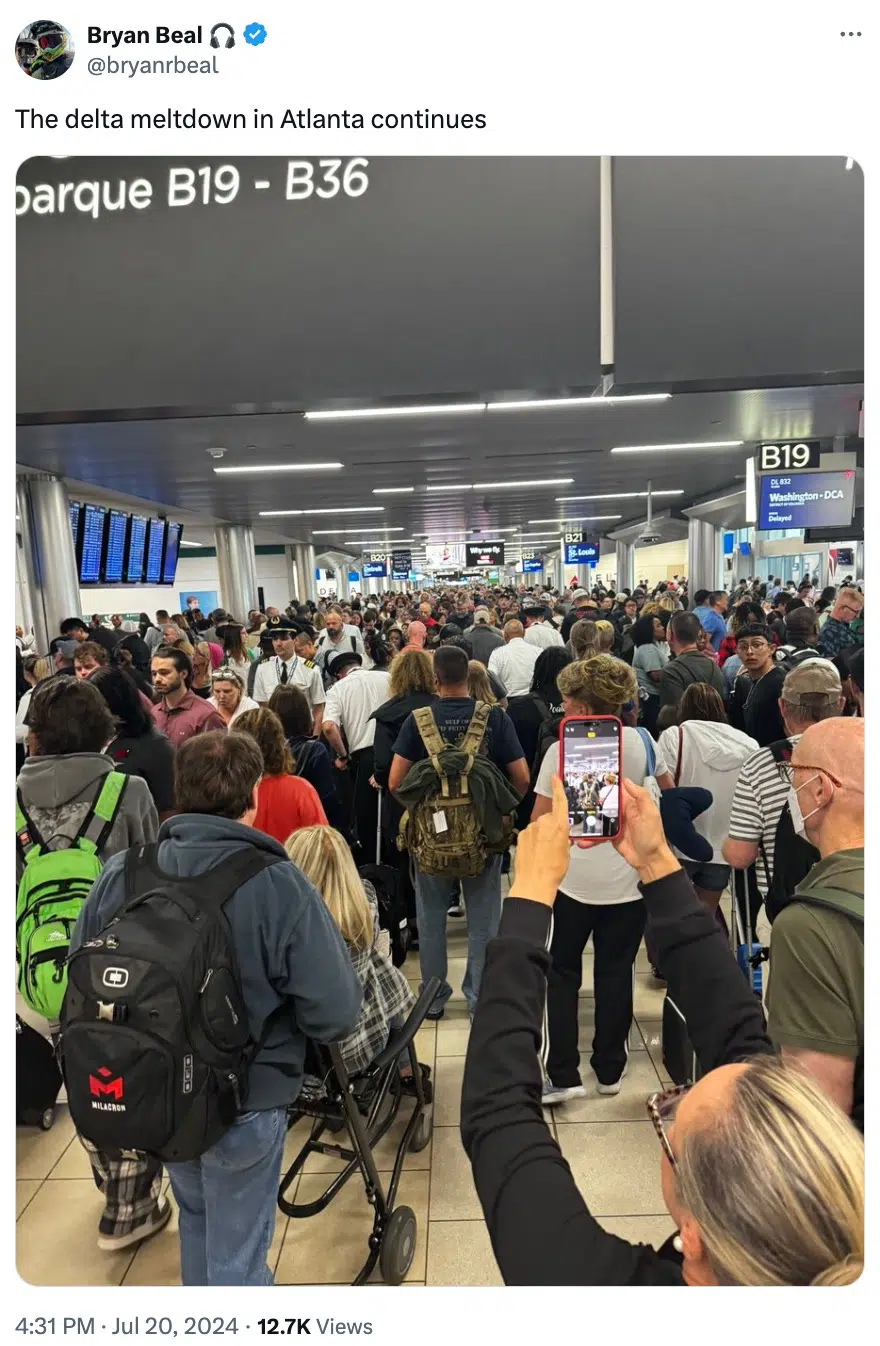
{"points": [[807, 500]]}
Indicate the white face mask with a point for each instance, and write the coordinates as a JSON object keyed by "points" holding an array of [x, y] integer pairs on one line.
{"points": [[799, 819]]}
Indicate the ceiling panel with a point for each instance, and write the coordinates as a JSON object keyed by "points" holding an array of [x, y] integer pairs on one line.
{"points": [[168, 461], [445, 273], [732, 271]]}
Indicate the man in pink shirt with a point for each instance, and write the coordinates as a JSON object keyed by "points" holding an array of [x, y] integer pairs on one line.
{"points": [[180, 714]]}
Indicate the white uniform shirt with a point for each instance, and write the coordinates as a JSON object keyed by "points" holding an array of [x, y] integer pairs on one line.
{"points": [[513, 665], [351, 702], [543, 636], [299, 673]]}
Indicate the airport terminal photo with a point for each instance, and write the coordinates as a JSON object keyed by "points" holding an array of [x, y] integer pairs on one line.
{"points": [[440, 614]]}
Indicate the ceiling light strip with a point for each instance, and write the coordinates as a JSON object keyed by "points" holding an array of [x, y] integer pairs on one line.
{"points": [[615, 495], [539, 403], [349, 509], [282, 467], [672, 448], [358, 413]]}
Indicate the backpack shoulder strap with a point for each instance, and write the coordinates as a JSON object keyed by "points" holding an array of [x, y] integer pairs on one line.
{"points": [[679, 755], [650, 754], [27, 837], [303, 757], [209, 891], [98, 822], [428, 731], [847, 904], [476, 730]]}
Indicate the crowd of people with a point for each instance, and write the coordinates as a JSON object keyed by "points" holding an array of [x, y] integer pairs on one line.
{"points": [[411, 733]]}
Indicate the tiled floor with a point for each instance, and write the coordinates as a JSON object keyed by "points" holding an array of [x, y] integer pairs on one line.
{"points": [[608, 1141]]}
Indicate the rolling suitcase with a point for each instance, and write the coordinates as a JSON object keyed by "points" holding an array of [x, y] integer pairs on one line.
{"points": [[37, 1078], [392, 903]]}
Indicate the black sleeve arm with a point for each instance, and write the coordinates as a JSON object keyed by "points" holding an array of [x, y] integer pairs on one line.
{"points": [[541, 1230], [724, 1017]]}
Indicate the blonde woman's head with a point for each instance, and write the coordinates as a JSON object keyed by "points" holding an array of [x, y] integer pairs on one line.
{"points": [[479, 686], [604, 636], [601, 685], [584, 639], [325, 859], [668, 603], [768, 1184]]}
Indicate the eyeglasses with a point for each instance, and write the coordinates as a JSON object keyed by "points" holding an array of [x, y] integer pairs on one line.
{"points": [[787, 770], [661, 1109], [752, 646]]}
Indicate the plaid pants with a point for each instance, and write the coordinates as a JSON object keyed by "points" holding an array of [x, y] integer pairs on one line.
{"points": [[130, 1187]]}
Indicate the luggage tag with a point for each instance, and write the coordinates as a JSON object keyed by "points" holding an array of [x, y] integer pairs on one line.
{"points": [[440, 824]]}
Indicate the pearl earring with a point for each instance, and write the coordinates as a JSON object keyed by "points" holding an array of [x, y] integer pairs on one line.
{"points": [[677, 1244]]}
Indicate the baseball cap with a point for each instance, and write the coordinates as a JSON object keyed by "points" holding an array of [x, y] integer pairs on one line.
{"points": [[579, 595], [811, 676], [481, 615]]}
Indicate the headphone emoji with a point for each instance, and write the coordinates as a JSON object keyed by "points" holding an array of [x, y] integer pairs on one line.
{"points": [[215, 41]]}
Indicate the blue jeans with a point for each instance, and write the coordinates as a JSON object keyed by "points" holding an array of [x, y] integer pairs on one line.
{"points": [[482, 900], [227, 1200]]}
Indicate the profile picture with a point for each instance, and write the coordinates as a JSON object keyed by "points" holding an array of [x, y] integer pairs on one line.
{"points": [[44, 49]]}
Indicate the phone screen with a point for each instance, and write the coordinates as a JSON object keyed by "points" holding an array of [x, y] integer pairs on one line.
{"points": [[590, 750]]}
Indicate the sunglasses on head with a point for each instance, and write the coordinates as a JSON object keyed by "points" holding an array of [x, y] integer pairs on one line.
{"points": [[662, 1107]]}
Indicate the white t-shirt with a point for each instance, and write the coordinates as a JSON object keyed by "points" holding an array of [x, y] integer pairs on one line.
{"points": [[302, 673], [513, 665], [712, 756], [600, 876], [543, 636], [351, 702]]}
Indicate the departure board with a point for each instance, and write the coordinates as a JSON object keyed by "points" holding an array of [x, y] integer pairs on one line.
{"points": [[75, 508], [137, 539], [155, 540], [114, 547], [172, 547], [91, 545]]}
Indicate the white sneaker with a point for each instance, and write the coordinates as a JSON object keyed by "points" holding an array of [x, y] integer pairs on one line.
{"points": [[550, 1095], [111, 1243], [614, 1088]]}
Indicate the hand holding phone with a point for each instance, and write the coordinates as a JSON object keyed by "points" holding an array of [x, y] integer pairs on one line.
{"points": [[590, 761]]}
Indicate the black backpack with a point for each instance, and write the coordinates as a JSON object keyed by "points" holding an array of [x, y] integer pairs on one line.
{"points": [[386, 882], [793, 855], [155, 1042]]}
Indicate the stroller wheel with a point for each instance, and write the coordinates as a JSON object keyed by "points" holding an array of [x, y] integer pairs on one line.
{"points": [[423, 1132], [47, 1117], [398, 1245]]}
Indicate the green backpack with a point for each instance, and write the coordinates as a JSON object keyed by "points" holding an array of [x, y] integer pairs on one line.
{"points": [[52, 888], [443, 832]]}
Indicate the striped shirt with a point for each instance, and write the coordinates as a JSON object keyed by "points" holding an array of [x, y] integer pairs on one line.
{"points": [[758, 800]]}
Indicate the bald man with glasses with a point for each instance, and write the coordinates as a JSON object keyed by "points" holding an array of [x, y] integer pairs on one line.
{"points": [[816, 995]]}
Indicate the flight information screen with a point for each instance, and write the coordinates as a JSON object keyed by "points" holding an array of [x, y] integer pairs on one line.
{"points": [[114, 547], [172, 547], [137, 541], [75, 508], [92, 540], [155, 540]]}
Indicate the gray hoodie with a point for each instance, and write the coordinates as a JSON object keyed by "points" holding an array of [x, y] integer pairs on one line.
{"points": [[58, 791]]}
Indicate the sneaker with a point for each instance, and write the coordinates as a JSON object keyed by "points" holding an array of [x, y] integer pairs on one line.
{"points": [[111, 1243], [551, 1095], [607, 1089], [457, 909], [435, 1012]]}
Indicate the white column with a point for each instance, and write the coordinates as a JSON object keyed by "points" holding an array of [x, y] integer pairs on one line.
{"points": [[703, 556], [626, 565], [236, 562], [49, 555]]}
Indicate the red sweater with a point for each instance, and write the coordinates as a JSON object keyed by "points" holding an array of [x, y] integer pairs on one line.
{"points": [[285, 804]]}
